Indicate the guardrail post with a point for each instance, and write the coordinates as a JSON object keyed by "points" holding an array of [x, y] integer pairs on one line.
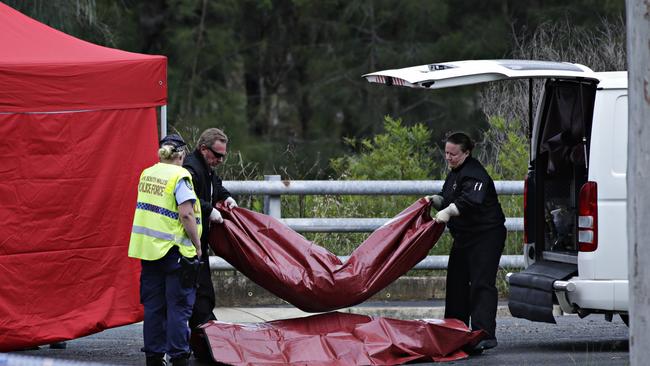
{"points": [[272, 204]]}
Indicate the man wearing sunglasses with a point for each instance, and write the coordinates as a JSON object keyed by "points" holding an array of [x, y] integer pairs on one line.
{"points": [[210, 151]]}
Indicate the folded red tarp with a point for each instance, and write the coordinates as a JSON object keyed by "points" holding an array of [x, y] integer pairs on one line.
{"points": [[335, 339], [308, 276]]}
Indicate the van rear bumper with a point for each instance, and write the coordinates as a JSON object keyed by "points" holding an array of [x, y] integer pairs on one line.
{"points": [[532, 290], [596, 295]]}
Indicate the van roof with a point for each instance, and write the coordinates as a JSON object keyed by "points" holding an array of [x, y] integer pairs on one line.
{"points": [[612, 80]]}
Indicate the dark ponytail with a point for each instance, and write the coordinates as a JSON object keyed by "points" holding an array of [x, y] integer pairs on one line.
{"points": [[463, 140]]}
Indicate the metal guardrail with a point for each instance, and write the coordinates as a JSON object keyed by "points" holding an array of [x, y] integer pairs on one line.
{"points": [[273, 188], [272, 185], [430, 262], [361, 225]]}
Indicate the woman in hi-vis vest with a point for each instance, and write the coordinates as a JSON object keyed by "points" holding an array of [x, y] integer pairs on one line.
{"points": [[166, 237]]}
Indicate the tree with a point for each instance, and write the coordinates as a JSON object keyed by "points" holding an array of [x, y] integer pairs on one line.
{"points": [[506, 104], [283, 77], [78, 17]]}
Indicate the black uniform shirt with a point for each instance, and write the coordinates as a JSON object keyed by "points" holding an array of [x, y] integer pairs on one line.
{"points": [[470, 187], [208, 188]]}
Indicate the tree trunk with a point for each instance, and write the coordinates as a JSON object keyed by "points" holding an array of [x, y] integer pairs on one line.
{"points": [[195, 61]]}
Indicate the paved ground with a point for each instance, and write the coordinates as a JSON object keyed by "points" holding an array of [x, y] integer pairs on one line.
{"points": [[573, 341]]}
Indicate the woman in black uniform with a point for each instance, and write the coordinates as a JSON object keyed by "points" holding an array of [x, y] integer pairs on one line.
{"points": [[468, 204]]}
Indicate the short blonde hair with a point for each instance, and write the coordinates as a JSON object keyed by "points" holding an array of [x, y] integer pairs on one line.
{"points": [[169, 153]]}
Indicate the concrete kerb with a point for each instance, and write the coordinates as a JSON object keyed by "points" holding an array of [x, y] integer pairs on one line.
{"points": [[239, 291], [398, 311], [240, 300]]}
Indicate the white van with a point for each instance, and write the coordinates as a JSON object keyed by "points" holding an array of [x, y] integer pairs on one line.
{"points": [[575, 233]]}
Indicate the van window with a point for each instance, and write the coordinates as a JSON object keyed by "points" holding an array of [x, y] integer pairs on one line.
{"points": [[619, 146]]}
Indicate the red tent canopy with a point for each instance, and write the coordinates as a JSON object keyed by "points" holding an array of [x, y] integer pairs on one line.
{"points": [[43, 69], [78, 125]]}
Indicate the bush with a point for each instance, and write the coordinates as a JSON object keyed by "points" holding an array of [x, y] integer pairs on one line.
{"points": [[399, 153]]}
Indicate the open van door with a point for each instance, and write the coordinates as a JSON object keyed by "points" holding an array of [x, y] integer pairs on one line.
{"points": [[457, 73]]}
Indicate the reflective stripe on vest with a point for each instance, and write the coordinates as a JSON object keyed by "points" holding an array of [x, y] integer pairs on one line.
{"points": [[160, 235], [161, 210]]}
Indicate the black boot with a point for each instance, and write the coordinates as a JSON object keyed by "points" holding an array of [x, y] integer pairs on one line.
{"points": [[181, 361], [481, 346], [156, 360], [200, 346], [59, 345]]}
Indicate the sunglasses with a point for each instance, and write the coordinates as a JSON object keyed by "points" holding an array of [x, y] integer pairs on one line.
{"points": [[217, 155]]}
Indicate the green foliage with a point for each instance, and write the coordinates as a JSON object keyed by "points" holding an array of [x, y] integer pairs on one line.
{"points": [[510, 149], [401, 153], [285, 75], [507, 156]]}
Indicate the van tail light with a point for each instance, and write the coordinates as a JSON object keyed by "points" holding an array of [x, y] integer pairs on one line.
{"points": [[526, 210], [588, 218]]}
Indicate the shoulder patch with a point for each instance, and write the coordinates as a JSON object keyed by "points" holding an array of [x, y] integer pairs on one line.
{"points": [[188, 184]]}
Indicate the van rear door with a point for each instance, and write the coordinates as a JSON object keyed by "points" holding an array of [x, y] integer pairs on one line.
{"points": [[457, 73]]}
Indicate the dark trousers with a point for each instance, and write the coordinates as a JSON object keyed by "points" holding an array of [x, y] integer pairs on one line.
{"points": [[471, 276], [205, 298], [167, 307]]}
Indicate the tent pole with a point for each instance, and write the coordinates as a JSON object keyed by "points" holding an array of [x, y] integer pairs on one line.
{"points": [[163, 121]]}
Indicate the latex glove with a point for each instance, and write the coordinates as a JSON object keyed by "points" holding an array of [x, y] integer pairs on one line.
{"points": [[436, 201], [215, 216], [447, 213], [230, 202]]}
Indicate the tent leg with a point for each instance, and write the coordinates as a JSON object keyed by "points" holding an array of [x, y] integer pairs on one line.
{"points": [[163, 121]]}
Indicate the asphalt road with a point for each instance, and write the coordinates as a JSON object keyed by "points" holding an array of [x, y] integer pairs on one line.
{"points": [[573, 341]]}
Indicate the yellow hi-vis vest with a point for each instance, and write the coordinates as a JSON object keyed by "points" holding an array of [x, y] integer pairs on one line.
{"points": [[156, 224]]}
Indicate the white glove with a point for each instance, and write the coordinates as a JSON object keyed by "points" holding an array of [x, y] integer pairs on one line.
{"points": [[215, 216], [436, 201], [230, 202], [447, 213]]}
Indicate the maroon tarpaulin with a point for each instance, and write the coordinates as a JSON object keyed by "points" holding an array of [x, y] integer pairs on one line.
{"points": [[337, 339], [310, 277]]}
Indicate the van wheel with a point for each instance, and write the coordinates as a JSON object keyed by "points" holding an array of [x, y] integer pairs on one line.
{"points": [[625, 318]]}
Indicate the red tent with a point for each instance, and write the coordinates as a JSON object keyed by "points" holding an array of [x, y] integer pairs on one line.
{"points": [[77, 126]]}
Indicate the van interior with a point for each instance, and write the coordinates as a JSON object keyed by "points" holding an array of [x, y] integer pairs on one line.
{"points": [[560, 165]]}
